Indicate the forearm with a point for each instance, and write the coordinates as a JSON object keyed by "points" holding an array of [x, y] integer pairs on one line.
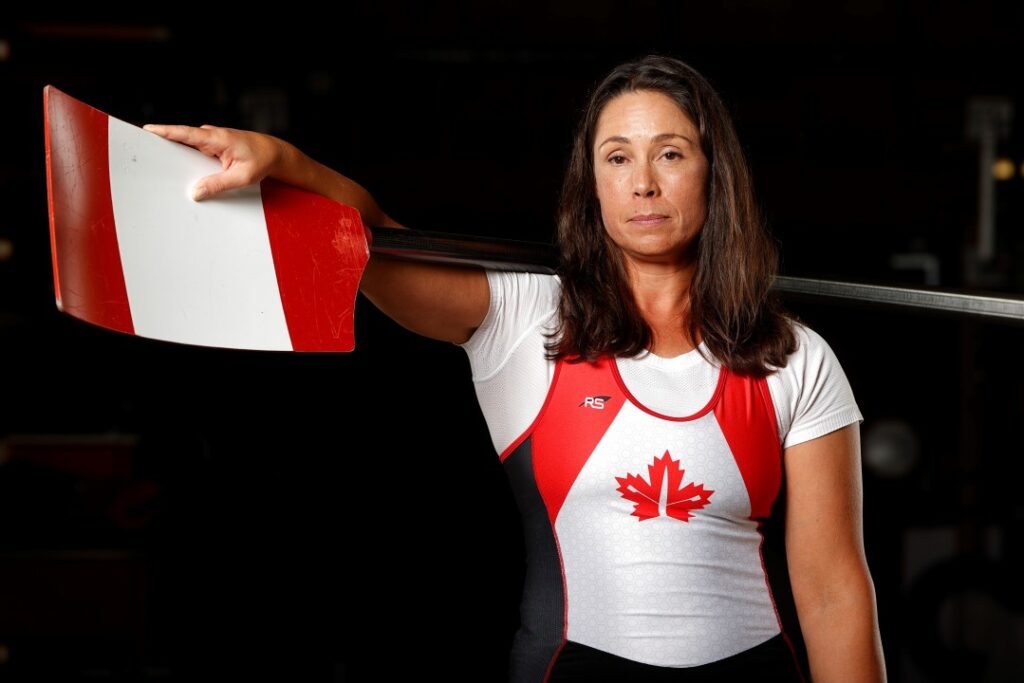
{"points": [[296, 168], [840, 629]]}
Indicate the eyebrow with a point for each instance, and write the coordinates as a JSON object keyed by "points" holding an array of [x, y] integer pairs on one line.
{"points": [[660, 137]]}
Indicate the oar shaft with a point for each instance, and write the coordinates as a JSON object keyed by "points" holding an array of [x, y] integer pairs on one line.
{"points": [[515, 255], [497, 254]]}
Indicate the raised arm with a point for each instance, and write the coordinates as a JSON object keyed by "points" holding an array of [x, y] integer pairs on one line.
{"points": [[437, 301], [832, 588]]}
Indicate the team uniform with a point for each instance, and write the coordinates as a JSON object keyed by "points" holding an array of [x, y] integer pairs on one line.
{"points": [[643, 485]]}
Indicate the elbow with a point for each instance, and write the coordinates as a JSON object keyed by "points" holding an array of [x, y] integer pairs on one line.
{"points": [[828, 593]]}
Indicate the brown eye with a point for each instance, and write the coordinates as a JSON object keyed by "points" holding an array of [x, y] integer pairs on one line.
{"points": [[617, 160]]}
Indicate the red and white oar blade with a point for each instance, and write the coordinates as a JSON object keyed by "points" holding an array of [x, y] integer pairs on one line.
{"points": [[267, 267]]}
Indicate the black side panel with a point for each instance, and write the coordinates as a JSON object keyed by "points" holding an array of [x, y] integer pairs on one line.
{"points": [[542, 611], [774, 553]]}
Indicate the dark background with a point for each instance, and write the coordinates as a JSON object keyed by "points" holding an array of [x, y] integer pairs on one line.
{"points": [[182, 513]]}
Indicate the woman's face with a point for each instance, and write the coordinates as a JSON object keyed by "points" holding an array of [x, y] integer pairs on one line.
{"points": [[651, 176]]}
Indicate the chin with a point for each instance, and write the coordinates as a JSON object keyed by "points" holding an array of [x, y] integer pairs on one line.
{"points": [[659, 257]]}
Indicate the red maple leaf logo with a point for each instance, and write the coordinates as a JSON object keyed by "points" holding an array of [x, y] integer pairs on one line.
{"points": [[661, 497]]}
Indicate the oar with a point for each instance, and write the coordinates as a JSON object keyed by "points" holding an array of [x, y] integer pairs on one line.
{"points": [[267, 267]]}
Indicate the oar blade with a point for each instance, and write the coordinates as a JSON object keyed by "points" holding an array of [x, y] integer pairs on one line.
{"points": [[267, 267]]}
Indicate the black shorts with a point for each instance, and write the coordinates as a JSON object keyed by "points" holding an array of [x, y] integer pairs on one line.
{"points": [[770, 662]]}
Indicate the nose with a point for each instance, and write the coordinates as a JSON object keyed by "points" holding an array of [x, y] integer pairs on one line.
{"points": [[645, 184]]}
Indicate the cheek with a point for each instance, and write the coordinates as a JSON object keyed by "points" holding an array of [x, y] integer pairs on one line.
{"points": [[607, 218], [601, 187], [605, 198], [696, 201], [702, 201], [691, 196]]}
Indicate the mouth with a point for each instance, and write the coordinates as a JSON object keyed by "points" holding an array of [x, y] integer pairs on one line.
{"points": [[648, 219]]}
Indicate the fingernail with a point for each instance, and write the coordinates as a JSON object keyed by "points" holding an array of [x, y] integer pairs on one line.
{"points": [[199, 192]]}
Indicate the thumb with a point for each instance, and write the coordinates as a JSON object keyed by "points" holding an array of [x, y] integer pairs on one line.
{"points": [[219, 182], [201, 190]]}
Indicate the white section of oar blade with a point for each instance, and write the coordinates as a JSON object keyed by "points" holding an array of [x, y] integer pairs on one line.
{"points": [[195, 272], [975, 304]]}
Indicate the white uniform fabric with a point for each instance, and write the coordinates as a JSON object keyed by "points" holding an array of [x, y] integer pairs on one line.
{"points": [[664, 592], [511, 374]]}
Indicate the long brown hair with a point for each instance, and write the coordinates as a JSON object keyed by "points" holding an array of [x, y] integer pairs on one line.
{"points": [[732, 307]]}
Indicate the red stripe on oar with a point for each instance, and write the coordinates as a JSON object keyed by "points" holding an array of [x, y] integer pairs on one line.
{"points": [[318, 278], [89, 282]]}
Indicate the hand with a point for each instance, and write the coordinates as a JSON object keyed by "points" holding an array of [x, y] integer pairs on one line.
{"points": [[247, 157]]}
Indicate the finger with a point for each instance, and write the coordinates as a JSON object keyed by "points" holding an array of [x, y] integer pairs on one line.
{"points": [[230, 179], [188, 135], [157, 128]]}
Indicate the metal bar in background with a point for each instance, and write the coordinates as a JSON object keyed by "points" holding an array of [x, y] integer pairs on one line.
{"points": [[504, 254], [1003, 307]]}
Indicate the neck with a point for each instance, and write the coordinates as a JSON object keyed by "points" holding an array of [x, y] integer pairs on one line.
{"points": [[662, 294]]}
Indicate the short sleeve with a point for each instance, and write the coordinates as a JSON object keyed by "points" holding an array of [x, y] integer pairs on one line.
{"points": [[812, 394], [511, 371], [519, 302]]}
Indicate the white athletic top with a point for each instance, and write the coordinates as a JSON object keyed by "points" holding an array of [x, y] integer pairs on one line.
{"points": [[643, 485]]}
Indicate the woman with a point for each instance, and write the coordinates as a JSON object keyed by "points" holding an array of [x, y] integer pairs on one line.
{"points": [[664, 404]]}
